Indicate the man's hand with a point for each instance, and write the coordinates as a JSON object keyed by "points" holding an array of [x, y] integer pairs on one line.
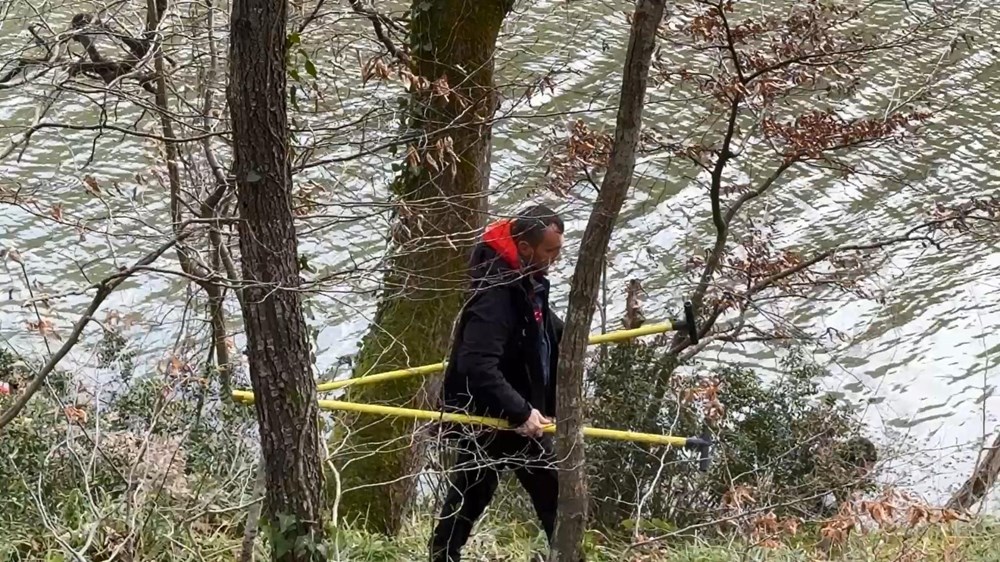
{"points": [[533, 426]]}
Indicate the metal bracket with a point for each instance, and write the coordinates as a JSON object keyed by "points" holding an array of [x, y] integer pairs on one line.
{"points": [[689, 324], [703, 445]]}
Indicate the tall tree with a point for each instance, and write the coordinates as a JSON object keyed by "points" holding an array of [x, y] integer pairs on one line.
{"points": [[277, 343], [440, 198], [746, 134], [572, 519]]}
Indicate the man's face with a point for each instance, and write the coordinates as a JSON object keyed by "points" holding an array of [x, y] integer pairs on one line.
{"points": [[539, 258]]}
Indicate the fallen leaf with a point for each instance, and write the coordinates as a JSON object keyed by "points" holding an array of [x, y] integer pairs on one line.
{"points": [[412, 156], [176, 367], [440, 88], [918, 514]]}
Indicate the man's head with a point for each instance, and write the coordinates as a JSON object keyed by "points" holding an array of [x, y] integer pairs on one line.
{"points": [[538, 234]]}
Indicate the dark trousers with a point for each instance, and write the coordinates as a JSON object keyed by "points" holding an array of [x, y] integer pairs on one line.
{"points": [[474, 480]]}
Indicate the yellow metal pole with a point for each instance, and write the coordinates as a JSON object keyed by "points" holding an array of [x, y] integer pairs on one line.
{"points": [[610, 337], [382, 377], [622, 335], [429, 415]]}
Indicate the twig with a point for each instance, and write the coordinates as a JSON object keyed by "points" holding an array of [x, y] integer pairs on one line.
{"points": [[312, 16], [376, 20], [253, 516]]}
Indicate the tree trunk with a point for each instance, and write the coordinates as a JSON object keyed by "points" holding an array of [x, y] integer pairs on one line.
{"points": [[277, 344], [572, 519], [981, 482], [440, 208]]}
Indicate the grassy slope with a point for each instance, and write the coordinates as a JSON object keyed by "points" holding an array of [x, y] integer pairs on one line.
{"points": [[512, 543], [516, 542]]}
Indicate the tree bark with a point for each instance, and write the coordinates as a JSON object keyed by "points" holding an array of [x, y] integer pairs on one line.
{"points": [[571, 523], [277, 342], [983, 478], [441, 206]]}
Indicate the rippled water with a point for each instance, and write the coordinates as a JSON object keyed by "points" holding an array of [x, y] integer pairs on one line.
{"points": [[921, 363]]}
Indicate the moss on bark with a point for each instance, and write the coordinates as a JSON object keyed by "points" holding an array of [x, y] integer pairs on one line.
{"points": [[440, 208]]}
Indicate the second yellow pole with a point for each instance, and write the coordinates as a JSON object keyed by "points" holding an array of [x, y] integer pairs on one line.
{"points": [[430, 415], [610, 337]]}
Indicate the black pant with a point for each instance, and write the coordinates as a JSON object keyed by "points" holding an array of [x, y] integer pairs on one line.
{"points": [[475, 479]]}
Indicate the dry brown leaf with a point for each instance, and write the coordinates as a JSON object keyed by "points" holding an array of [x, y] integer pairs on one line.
{"points": [[431, 162], [14, 256], [737, 497], [76, 415], [918, 514], [44, 327], [374, 68], [440, 88], [91, 185], [412, 156], [175, 366]]}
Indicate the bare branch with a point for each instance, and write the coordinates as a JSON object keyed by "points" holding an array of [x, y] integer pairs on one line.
{"points": [[377, 21], [104, 288]]}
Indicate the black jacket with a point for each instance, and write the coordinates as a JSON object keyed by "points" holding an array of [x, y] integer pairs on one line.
{"points": [[495, 367]]}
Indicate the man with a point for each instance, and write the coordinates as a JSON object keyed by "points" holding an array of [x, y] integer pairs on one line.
{"points": [[503, 365]]}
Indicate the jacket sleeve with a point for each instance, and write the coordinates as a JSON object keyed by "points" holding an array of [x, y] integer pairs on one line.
{"points": [[557, 326], [489, 324]]}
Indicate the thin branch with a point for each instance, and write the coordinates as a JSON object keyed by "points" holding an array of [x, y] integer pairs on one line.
{"points": [[731, 44], [768, 183], [311, 17], [376, 20], [104, 288]]}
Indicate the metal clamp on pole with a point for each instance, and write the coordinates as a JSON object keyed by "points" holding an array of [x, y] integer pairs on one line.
{"points": [[703, 445], [689, 324]]}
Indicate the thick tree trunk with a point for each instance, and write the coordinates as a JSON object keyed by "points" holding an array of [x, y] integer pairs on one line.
{"points": [[572, 519], [441, 207], [277, 343], [983, 478]]}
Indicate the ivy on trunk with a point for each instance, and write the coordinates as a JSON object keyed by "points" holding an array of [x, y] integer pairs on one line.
{"points": [[440, 206]]}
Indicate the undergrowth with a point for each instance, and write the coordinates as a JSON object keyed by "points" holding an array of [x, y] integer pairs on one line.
{"points": [[160, 470], [505, 542]]}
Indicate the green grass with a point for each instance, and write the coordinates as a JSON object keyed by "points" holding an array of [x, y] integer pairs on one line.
{"points": [[497, 541], [516, 542]]}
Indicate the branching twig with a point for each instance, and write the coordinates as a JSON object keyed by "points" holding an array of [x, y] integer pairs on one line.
{"points": [[104, 288], [383, 38]]}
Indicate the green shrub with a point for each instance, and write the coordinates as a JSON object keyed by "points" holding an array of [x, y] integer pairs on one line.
{"points": [[37, 467], [153, 474], [781, 442]]}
